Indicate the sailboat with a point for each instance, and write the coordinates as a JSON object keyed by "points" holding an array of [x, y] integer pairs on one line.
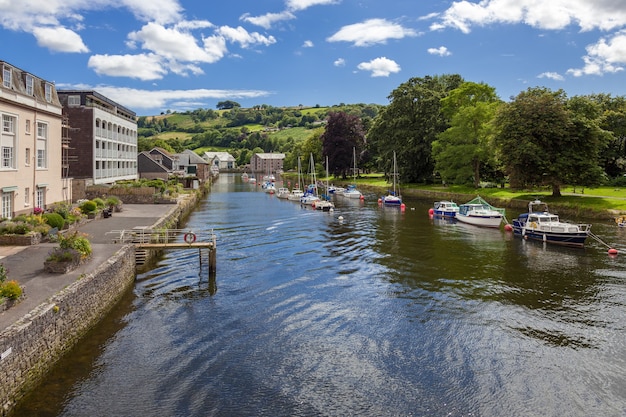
{"points": [[351, 191], [325, 204], [393, 198], [296, 192], [310, 195]]}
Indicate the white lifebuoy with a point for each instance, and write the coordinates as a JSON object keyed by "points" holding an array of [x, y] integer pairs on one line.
{"points": [[190, 237]]}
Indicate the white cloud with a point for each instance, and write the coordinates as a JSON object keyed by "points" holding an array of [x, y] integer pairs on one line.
{"points": [[441, 51], [146, 99], [380, 67], [59, 39], [305, 4], [605, 56], [553, 14], [172, 44], [143, 67], [267, 20], [243, 37], [370, 32], [340, 62], [159, 11], [551, 75], [307, 44]]}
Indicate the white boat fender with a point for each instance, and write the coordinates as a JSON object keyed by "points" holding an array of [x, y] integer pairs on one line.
{"points": [[340, 218]]}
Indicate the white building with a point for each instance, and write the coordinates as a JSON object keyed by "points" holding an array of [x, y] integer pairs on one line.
{"points": [[31, 148]]}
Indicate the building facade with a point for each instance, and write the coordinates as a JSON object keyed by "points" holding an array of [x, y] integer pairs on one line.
{"points": [[268, 163], [103, 137], [32, 144]]}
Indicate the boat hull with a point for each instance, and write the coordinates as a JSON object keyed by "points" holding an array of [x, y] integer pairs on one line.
{"points": [[482, 221], [573, 239]]}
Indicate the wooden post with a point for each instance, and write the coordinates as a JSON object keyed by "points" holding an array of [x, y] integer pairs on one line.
{"points": [[212, 261]]}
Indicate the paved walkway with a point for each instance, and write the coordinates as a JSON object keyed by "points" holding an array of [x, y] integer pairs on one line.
{"points": [[25, 263]]}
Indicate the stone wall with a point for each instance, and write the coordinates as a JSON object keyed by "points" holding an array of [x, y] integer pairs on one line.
{"points": [[32, 346]]}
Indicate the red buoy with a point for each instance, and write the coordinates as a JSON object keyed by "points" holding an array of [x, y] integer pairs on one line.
{"points": [[362, 197], [402, 207], [431, 211], [508, 227], [612, 251]]}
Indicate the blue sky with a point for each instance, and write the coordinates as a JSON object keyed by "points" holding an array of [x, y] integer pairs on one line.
{"points": [[178, 55]]}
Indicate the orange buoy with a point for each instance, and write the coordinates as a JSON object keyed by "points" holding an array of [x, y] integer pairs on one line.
{"points": [[612, 251], [508, 227]]}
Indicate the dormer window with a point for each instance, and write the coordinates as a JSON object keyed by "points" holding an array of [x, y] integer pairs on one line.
{"points": [[6, 76], [30, 85]]}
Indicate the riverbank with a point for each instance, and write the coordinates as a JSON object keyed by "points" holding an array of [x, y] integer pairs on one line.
{"points": [[58, 309]]}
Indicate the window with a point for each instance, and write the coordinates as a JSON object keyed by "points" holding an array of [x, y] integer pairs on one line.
{"points": [[73, 101], [8, 124], [40, 198], [48, 88], [42, 145], [27, 157], [28, 126], [7, 205], [8, 142], [6, 76], [30, 83], [27, 196], [7, 157]]}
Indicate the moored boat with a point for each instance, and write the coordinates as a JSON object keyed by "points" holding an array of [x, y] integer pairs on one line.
{"points": [[480, 213], [539, 224], [393, 198], [445, 208]]}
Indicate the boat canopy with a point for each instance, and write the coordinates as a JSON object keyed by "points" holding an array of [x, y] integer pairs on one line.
{"points": [[481, 201]]}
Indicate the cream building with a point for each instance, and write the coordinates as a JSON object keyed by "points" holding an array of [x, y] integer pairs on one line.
{"points": [[31, 167]]}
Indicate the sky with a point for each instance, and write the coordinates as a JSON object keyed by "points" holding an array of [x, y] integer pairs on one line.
{"points": [[154, 56]]}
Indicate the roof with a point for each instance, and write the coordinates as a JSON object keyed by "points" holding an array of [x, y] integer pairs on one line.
{"points": [[270, 155], [189, 157], [222, 156]]}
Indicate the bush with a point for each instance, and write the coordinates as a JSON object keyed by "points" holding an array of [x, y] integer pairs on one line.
{"points": [[88, 207], [62, 209], [11, 290], [99, 202], [112, 201], [54, 220], [9, 227], [3, 274], [63, 255], [77, 242]]}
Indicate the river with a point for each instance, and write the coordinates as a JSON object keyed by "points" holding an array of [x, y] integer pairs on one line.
{"points": [[364, 311]]}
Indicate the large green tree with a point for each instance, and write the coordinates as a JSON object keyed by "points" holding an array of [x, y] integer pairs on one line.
{"points": [[542, 139], [410, 124], [461, 150], [342, 137]]}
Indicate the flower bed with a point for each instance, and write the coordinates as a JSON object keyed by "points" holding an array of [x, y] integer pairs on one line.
{"points": [[20, 240]]}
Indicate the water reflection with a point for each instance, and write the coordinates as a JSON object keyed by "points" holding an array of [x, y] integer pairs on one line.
{"points": [[381, 313]]}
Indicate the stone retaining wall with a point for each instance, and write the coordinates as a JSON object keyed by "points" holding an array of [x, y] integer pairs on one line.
{"points": [[34, 344]]}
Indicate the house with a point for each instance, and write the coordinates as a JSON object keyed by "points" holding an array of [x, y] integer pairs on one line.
{"points": [[151, 169], [103, 137], [267, 162], [221, 160], [193, 167], [32, 145]]}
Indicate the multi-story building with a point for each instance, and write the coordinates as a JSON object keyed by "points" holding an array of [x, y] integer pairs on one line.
{"points": [[103, 137], [268, 163], [31, 144]]}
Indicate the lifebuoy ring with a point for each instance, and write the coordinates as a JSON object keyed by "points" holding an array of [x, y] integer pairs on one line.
{"points": [[533, 225], [190, 237]]}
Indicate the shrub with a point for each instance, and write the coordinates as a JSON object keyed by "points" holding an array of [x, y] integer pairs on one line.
{"points": [[37, 210], [63, 255], [112, 201], [99, 202], [22, 228], [77, 242], [15, 228], [54, 220], [88, 207], [11, 290], [3, 274], [62, 209]]}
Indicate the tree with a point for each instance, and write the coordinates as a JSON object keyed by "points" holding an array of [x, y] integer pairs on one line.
{"points": [[544, 140], [228, 104], [461, 150], [409, 125], [343, 134]]}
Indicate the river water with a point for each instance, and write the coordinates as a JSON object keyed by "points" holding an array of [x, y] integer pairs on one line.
{"points": [[383, 313]]}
